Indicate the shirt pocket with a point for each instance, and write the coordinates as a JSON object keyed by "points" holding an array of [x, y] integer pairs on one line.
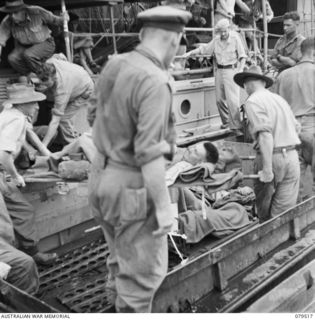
{"points": [[134, 205], [230, 55], [36, 27]]}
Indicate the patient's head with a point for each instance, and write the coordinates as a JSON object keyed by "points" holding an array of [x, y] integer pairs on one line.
{"points": [[201, 152]]}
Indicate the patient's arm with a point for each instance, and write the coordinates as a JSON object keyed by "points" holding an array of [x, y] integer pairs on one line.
{"points": [[32, 139], [83, 143]]}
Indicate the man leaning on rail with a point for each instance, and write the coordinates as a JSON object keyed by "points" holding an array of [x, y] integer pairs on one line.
{"points": [[230, 57], [127, 192], [287, 51]]}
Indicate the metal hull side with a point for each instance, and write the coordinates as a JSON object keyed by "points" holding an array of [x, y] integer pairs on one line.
{"points": [[59, 218], [295, 294], [214, 269]]}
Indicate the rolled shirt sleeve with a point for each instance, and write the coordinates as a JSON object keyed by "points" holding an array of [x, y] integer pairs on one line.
{"points": [[5, 31], [296, 53], [49, 18], [153, 118], [207, 48], [276, 49], [258, 119], [240, 48], [61, 100], [269, 11], [11, 133]]}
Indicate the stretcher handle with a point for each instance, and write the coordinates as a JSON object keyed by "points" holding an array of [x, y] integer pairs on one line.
{"points": [[250, 176], [42, 180]]}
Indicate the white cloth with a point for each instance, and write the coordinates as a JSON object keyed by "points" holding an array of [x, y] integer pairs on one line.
{"points": [[12, 130]]}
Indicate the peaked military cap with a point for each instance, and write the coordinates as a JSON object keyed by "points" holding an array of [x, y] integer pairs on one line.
{"points": [[165, 17]]}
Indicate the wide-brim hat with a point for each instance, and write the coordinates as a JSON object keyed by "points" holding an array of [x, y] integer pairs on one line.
{"points": [[13, 6], [254, 72], [19, 93]]}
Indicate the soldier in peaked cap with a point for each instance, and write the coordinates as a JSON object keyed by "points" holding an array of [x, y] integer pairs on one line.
{"points": [[132, 131], [275, 132]]}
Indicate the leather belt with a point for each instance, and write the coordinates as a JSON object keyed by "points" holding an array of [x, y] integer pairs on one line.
{"points": [[228, 66], [120, 165], [284, 149], [281, 149]]}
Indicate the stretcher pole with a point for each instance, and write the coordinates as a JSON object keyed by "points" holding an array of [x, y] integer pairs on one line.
{"points": [[265, 34], [112, 24], [212, 16], [66, 31]]}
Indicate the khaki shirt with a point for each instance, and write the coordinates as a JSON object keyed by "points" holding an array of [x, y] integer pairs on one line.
{"points": [[12, 130], [268, 112], [297, 86], [72, 82], [256, 11], [289, 48], [133, 116], [230, 4], [226, 52], [34, 30]]}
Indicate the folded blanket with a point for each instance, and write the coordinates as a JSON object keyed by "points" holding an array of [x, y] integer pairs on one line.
{"points": [[242, 195], [225, 220], [214, 183], [174, 171], [201, 172], [40, 171]]}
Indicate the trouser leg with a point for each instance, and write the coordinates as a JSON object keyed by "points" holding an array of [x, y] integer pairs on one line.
{"points": [[108, 229], [39, 53], [17, 61], [67, 131], [264, 193], [141, 258], [6, 225], [287, 176], [23, 273], [112, 265], [23, 217], [307, 151], [303, 168], [220, 97], [313, 165], [142, 265], [232, 93], [66, 124]]}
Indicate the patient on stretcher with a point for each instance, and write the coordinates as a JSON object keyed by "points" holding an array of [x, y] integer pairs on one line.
{"points": [[217, 205]]}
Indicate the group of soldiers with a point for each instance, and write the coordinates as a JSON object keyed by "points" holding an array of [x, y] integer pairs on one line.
{"points": [[134, 132]]}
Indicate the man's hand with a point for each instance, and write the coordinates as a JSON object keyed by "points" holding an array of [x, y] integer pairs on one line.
{"points": [[19, 181], [65, 16], [165, 220], [187, 54], [298, 128], [265, 176], [32, 155]]}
